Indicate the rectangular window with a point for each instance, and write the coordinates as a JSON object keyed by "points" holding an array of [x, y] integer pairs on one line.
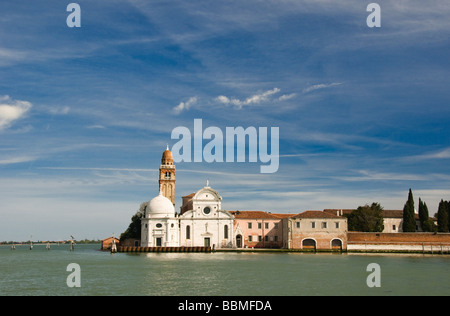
{"points": [[266, 238], [394, 228], [259, 226], [259, 238], [275, 238], [337, 224], [324, 224], [249, 225], [250, 238], [313, 224], [266, 225], [298, 224], [275, 225]]}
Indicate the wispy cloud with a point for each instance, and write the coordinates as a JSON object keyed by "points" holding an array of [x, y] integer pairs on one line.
{"points": [[15, 160], [441, 154], [12, 110], [254, 99], [321, 86], [185, 105]]}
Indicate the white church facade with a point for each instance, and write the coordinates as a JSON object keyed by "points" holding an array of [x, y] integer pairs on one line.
{"points": [[201, 223]]}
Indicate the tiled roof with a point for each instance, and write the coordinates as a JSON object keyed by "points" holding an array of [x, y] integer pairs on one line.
{"points": [[254, 215], [315, 214]]}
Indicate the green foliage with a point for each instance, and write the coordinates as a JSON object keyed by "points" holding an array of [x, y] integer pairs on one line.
{"points": [[409, 221], [366, 218], [424, 217], [443, 216], [134, 229]]}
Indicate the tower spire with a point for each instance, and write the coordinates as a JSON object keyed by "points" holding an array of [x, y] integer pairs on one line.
{"points": [[167, 175]]}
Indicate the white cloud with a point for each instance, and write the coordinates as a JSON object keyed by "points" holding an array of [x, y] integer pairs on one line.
{"points": [[15, 160], [60, 110], [320, 86], [12, 110], [255, 99], [285, 97], [442, 154], [185, 105]]}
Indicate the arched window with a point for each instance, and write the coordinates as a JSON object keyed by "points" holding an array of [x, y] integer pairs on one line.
{"points": [[225, 232], [188, 232]]}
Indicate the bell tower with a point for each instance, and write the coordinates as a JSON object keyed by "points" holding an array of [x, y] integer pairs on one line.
{"points": [[167, 176]]}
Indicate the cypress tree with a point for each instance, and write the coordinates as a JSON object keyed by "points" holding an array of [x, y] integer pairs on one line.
{"points": [[442, 217], [424, 217], [409, 221]]}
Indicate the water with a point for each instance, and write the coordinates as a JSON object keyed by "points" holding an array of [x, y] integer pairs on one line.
{"points": [[43, 272]]}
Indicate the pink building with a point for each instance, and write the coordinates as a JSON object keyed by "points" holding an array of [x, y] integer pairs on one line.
{"points": [[258, 229]]}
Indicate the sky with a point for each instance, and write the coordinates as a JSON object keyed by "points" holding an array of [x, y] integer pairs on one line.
{"points": [[86, 112]]}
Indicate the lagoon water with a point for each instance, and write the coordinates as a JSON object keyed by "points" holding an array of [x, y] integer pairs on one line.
{"points": [[44, 272]]}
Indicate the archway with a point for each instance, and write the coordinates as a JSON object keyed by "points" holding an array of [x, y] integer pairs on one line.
{"points": [[336, 244], [308, 243], [239, 241]]}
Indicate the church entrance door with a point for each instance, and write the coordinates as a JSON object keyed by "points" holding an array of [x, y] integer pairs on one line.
{"points": [[207, 242], [239, 241], [158, 242]]}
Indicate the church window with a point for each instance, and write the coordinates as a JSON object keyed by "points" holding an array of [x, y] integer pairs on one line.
{"points": [[207, 210], [225, 232], [159, 225], [188, 232]]}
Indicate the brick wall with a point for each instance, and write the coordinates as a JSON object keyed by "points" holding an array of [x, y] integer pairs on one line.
{"points": [[407, 238]]}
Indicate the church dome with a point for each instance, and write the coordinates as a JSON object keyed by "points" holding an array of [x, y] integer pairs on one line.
{"points": [[160, 206], [167, 157]]}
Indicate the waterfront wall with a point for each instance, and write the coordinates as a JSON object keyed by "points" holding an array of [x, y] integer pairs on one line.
{"points": [[163, 249], [399, 242]]}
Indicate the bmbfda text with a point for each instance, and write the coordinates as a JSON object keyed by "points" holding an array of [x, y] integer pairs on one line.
{"points": [[226, 306]]}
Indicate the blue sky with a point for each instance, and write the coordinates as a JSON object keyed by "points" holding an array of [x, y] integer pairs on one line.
{"points": [[85, 113]]}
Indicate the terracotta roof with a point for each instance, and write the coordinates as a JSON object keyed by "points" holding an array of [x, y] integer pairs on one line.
{"points": [[315, 214], [254, 215], [338, 211], [386, 213], [189, 195]]}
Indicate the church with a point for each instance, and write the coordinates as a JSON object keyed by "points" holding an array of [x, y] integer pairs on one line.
{"points": [[201, 222]]}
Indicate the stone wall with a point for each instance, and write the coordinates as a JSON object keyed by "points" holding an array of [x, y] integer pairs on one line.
{"points": [[402, 242]]}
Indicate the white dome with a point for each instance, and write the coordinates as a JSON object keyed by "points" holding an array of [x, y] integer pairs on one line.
{"points": [[160, 206]]}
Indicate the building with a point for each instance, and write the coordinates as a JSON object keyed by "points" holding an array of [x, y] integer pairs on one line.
{"points": [[106, 243], [392, 219], [258, 229], [201, 222], [315, 230]]}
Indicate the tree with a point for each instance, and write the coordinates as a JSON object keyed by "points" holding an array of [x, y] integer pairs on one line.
{"points": [[409, 220], [443, 216], [366, 218], [134, 229], [424, 217]]}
